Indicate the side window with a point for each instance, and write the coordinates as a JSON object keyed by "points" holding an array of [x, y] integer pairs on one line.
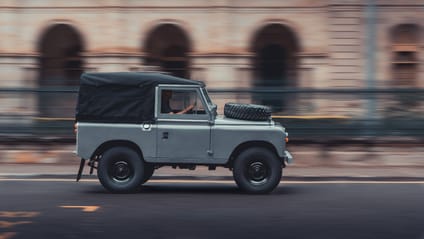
{"points": [[181, 102]]}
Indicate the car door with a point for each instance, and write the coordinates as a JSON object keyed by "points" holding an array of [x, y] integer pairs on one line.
{"points": [[183, 133]]}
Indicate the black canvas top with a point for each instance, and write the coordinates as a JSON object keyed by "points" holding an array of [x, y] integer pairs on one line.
{"points": [[121, 97], [133, 79]]}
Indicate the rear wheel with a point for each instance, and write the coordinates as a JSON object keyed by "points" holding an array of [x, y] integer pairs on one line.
{"points": [[120, 170], [257, 170]]}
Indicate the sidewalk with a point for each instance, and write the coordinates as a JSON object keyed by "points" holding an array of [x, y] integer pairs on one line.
{"points": [[311, 162]]}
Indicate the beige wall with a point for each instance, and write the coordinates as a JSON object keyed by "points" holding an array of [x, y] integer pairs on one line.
{"points": [[221, 32]]}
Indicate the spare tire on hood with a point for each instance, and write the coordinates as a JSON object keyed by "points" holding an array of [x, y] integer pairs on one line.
{"points": [[247, 111]]}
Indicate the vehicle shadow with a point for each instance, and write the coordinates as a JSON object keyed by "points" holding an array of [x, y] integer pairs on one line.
{"points": [[213, 189]]}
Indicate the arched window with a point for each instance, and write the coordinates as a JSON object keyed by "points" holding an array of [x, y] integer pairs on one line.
{"points": [[60, 65], [275, 49], [60, 56], [405, 46], [167, 46]]}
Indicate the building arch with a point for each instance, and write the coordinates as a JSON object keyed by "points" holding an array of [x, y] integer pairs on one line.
{"points": [[44, 26], [167, 46], [275, 47], [295, 28], [60, 50]]}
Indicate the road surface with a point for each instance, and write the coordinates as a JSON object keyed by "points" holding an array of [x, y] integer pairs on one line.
{"points": [[61, 208]]}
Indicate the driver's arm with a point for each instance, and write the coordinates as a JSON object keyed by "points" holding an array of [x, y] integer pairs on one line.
{"points": [[187, 109]]}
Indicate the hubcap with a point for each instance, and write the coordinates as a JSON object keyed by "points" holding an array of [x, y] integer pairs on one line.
{"points": [[257, 173], [121, 171]]}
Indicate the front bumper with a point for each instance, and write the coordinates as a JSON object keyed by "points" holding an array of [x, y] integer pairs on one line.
{"points": [[288, 157]]}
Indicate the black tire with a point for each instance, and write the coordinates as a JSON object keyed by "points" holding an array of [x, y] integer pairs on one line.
{"points": [[149, 169], [120, 170], [257, 170], [247, 112]]}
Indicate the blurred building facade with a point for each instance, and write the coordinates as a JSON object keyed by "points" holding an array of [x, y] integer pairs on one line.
{"points": [[226, 43]]}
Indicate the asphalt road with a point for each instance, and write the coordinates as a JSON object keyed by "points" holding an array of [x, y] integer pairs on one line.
{"points": [[51, 208]]}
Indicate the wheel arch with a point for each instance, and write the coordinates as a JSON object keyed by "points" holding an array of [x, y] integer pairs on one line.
{"points": [[117, 143], [250, 144]]}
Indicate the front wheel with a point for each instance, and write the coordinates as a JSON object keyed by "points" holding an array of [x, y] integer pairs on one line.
{"points": [[257, 170], [120, 170]]}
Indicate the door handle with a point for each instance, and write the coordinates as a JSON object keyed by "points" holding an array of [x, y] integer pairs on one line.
{"points": [[165, 135]]}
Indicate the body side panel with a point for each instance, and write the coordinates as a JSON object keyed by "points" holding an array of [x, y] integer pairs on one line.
{"points": [[91, 135]]}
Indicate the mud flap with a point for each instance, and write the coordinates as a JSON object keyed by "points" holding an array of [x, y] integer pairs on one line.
{"points": [[81, 168]]}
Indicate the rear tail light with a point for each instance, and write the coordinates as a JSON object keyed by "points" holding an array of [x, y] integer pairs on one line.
{"points": [[76, 128]]}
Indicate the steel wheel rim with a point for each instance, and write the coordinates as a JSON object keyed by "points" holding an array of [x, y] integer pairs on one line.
{"points": [[121, 171], [257, 173]]}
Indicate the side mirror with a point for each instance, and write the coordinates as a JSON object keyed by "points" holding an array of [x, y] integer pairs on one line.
{"points": [[214, 109], [214, 114]]}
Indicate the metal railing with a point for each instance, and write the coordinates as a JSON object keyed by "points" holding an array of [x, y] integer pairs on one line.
{"points": [[306, 113]]}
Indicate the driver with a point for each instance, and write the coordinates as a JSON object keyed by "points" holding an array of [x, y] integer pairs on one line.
{"points": [[166, 108]]}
